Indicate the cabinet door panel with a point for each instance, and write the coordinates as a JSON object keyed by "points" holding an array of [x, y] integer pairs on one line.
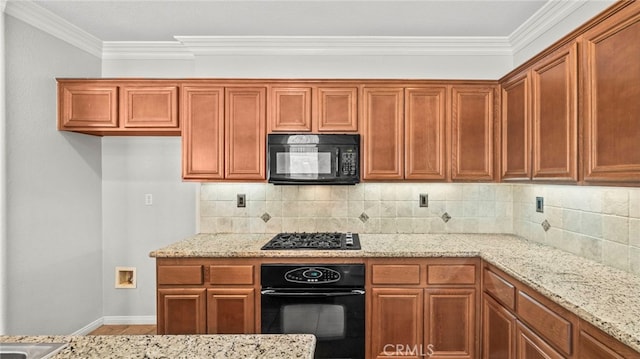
{"points": [[555, 138], [472, 133], [450, 328], [290, 109], [231, 311], [245, 129], [498, 331], [149, 106], [425, 133], [531, 346], [87, 105], [383, 133], [202, 132], [396, 321], [516, 142], [337, 109], [182, 311], [611, 78]]}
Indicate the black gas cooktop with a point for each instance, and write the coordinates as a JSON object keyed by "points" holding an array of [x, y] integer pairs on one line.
{"points": [[322, 241]]}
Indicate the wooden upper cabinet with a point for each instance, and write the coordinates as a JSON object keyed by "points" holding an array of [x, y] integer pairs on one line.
{"points": [[87, 105], [472, 121], [336, 109], [306, 108], [516, 134], [152, 106], [383, 133], [290, 109], [555, 120], [611, 76], [118, 107], [245, 133], [202, 112], [425, 133]]}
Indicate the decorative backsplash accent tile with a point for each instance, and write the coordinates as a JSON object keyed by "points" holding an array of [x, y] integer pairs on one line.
{"points": [[265, 217], [545, 225], [445, 217], [363, 217]]}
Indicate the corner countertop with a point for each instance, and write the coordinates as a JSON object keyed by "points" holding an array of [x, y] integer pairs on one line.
{"points": [[273, 346], [604, 296]]}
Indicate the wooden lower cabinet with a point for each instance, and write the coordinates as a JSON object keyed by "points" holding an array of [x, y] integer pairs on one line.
{"points": [[230, 311], [396, 322], [182, 311], [530, 346], [423, 308], [594, 343], [450, 323], [498, 330]]}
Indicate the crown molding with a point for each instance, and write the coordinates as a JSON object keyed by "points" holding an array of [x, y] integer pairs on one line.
{"points": [[549, 15], [45, 20], [345, 45], [145, 50]]}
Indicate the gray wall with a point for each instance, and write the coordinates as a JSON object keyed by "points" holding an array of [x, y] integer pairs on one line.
{"points": [[131, 168], [54, 232]]}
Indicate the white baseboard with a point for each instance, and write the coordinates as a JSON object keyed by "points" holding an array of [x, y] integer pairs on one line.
{"points": [[130, 320], [89, 327], [116, 320]]}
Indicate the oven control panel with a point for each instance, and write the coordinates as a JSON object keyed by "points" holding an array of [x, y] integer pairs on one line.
{"points": [[312, 275]]}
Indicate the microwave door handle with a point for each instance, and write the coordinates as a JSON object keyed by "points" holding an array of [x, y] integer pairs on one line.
{"points": [[337, 165], [275, 293]]}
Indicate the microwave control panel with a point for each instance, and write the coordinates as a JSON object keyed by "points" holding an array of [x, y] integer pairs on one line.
{"points": [[348, 162]]}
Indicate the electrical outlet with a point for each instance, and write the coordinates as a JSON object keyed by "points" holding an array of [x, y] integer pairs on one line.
{"points": [[424, 200], [148, 199], [241, 200], [540, 204]]}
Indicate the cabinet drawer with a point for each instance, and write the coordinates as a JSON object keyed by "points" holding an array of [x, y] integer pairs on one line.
{"points": [[180, 275], [395, 274], [231, 274], [500, 289], [451, 274], [555, 329]]}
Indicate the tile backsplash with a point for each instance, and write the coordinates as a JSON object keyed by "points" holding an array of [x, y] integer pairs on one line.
{"points": [[600, 223], [365, 208]]}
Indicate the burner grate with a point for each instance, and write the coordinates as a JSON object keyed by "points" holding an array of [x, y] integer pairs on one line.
{"points": [[322, 240]]}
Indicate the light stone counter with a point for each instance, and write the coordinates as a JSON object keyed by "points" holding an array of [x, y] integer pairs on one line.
{"points": [[603, 296], [177, 346]]}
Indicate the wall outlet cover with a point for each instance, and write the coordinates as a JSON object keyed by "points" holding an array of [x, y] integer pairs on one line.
{"points": [[540, 204]]}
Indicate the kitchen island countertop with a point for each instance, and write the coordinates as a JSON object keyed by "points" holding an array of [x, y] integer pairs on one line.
{"points": [[278, 346], [604, 296]]}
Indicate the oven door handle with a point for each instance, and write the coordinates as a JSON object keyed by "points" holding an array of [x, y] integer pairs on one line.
{"points": [[277, 293]]}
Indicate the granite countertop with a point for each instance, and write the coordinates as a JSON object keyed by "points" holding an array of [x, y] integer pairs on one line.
{"points": [[604, 296], [271, 346]]}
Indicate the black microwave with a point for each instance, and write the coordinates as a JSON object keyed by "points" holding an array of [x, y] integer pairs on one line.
{"points": [[313, 159]]}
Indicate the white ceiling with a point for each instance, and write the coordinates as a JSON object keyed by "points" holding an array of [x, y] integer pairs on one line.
{"points": [[155, 20]]}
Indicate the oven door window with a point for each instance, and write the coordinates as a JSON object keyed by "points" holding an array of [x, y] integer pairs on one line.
{"points": [[326, 321]]}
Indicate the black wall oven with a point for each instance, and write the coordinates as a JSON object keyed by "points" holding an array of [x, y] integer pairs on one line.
{"points": [[326, 300]]}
